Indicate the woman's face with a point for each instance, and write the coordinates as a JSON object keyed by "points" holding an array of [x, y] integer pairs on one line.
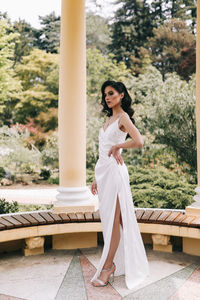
{"points": [[112, 97]]}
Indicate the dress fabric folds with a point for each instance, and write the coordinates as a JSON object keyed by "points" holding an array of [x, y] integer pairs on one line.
{"points": [[112, 180]]}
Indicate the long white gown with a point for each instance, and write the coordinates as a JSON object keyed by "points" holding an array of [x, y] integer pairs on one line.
{"points": [[112, 179]]}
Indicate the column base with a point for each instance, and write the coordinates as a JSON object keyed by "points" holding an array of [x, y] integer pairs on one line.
{"points": [[74, 199], [193, 211], [74, 240], [194, 208]]}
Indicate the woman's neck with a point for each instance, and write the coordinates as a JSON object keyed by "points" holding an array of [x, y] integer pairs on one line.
{"points": [[116, 113]]}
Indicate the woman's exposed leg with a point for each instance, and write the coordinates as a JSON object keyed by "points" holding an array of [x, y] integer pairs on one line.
{"points": [[114, 242], [115, 236], [121, 220]]}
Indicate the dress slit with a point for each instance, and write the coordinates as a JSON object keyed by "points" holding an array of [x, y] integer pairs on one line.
{"points": [[119, 254], [111, 232], [118, 259], [120, 213]]}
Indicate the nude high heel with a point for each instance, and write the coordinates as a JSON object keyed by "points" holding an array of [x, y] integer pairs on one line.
{"points": [[102, 283]]}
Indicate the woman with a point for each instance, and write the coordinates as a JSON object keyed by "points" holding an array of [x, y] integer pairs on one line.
{"points": [[123, 251]]}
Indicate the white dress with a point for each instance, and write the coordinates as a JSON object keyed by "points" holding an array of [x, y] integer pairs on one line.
{"points": [[112, 179]]}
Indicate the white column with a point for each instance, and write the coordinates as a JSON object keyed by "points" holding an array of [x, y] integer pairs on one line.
{"points": [[73, 195], [194, 209]]}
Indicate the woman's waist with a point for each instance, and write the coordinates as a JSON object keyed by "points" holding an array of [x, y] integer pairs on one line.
{"points": [[105, 159], [104, 152]]}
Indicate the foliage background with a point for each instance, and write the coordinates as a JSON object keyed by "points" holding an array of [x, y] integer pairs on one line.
{"points": [[148, 46]]}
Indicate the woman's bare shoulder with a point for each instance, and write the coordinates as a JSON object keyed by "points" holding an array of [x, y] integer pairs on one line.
{"points": [[123, 121], [124, 116]]}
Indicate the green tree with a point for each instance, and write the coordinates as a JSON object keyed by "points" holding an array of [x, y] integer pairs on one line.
{"points": [[184, 10], [192, 13], [97, 32], [25, 41], [35, 73], [167, 43], [158, 10], [188, 63], [173, 118], [166, 110], [101, 68], [48, 37], [4, 16], [9, 85], [132, 25]]}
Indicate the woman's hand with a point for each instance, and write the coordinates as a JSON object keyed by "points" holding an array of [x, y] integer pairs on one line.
{"points": [[115, 151], [94, 188]]}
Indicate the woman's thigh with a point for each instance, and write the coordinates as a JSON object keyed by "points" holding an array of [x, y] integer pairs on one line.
{"points": [[118, 216]]}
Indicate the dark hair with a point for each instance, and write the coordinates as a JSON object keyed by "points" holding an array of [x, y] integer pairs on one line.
{"points": [[125, 102]]}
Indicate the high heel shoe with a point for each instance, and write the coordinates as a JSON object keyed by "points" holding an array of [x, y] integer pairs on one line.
{"points": [[101, 282]]}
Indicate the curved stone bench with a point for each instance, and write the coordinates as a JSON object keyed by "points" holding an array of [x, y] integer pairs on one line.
{"points": [[79, 230]]}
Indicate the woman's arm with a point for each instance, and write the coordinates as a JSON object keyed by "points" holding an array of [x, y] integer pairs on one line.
{"points": [[137, 140]]}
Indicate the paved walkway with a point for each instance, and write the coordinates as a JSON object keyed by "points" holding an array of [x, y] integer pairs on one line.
{"points": [[36, 195], [30, 195], [66, 274]]}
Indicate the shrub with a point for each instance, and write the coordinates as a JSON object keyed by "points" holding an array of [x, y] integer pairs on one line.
{"points": [[2, 172], [7, 207], [45, 173], [53, 180], [50, 151], [32, 207], [18, 157], [160, 188]]}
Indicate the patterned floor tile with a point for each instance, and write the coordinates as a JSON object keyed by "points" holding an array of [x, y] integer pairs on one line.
{"points": [[96, 293], [42, 274], [190, 289], [73, 286], [163, 288]]}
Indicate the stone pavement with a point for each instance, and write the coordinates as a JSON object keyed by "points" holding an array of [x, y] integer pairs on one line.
{"points": [[36, 195], [30, 195], [66, 274]]}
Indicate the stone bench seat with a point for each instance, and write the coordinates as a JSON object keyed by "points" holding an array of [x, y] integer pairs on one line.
{"points": [[79, 230]]}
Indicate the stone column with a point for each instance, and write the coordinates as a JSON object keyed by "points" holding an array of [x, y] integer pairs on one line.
{"points": [[194, 209], [73, 195]]}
